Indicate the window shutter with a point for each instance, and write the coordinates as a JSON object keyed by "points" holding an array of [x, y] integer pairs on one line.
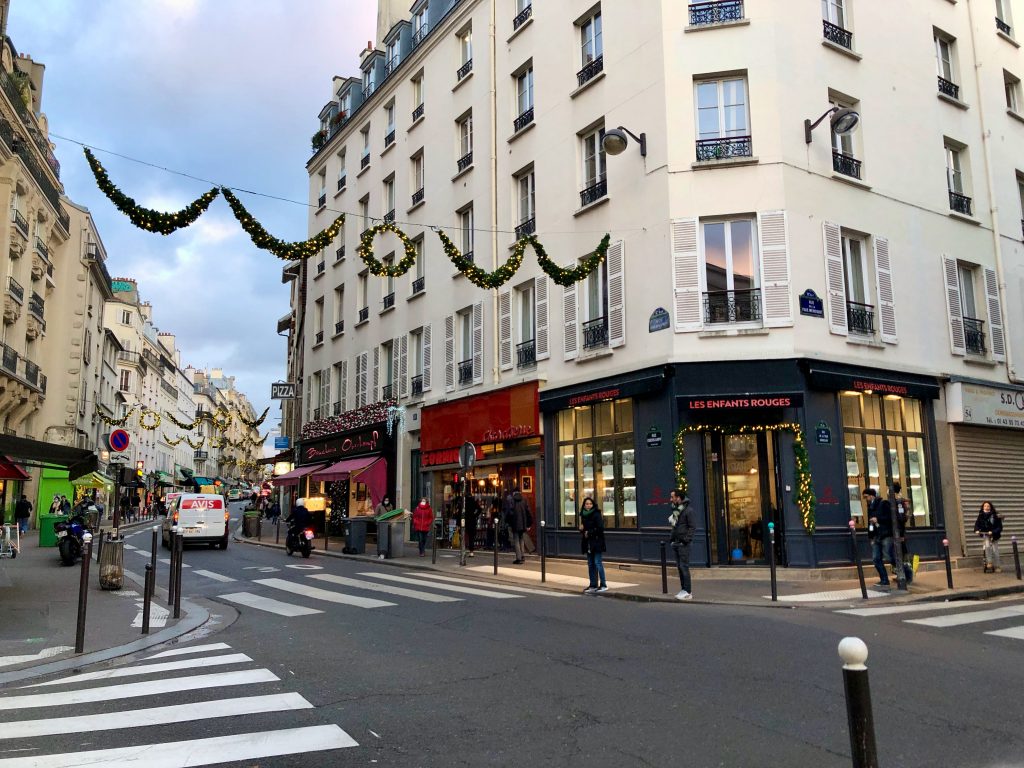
{"points": [[886, 300], [957, 343], [775, 288], [616, 265], [834, 279], [375, 392], [505, 329], [396, 348], [686, 275], [426, 358], [449, 353], [343, 386], [478, 343], [361, 374], [403, 366], [571, 336], [540, 291], [995, 315]]}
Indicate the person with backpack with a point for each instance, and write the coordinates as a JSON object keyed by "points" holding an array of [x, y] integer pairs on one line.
{"points": [[592, 527], [519, 521], [989, 526]]}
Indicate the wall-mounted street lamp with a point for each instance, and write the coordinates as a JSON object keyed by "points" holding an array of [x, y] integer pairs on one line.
{"points": [[841, 121], [615, 141]]}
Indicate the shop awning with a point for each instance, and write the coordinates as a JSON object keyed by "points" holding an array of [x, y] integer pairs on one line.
{"points": [[344, 468], [293, 477], [11, 471], [201, 480], [36, 453], [93, 480], [164, 478], [372, 471]]}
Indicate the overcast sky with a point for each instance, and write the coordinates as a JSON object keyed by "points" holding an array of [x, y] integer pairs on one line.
{"points": [[227, 90]]}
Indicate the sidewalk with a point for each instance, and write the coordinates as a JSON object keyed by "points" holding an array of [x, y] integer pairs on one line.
{"points": [[718, 585]]}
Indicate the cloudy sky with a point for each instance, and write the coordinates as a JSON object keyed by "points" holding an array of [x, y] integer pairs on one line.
{"points": [[226, 90]]}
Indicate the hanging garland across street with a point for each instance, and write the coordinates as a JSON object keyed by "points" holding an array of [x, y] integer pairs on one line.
{"points": [[149, 420], [173, 443], [280, 248], [250, 423], [147, 218], [195, 446], [187, 426], [118, 422], [804, 496], [378, 267]]}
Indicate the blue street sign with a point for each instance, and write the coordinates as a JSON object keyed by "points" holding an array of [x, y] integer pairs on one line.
{"points": [[281, 443]]}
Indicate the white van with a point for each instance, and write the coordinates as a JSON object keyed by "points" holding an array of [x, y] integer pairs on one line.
{"points": [[201, 517]]}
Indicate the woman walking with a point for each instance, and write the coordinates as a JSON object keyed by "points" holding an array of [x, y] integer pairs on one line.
{"points": [[592, 526], [422, 520], [989, 526]]}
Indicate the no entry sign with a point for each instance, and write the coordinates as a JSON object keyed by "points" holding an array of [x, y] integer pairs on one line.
{"points": [[119, 440]]}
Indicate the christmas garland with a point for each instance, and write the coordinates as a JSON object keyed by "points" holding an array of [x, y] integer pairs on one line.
{"points": [[566, 276], [804, 496], [378, 267], [252, 424], [147, 218], [118, 422], [149, 426], [221, 419], [481, 277], [372, 413], [195, 446], [187, 426], [280, 248], [173, 443]]}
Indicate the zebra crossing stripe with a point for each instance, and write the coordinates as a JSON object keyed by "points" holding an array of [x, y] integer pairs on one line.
{"points": [[141, 718], [890, 610], [429, 597], [46, 653], [268, 604], [166, 561], [150, 669], [189, 649], [323, 594], [1015, 633], [506, 587], [969, 618], [198, 752], [212, 575], [448, 587], [134, 690]]}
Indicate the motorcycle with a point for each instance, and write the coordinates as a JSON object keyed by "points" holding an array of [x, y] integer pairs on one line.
{"points": [[70, 538], [299, 540]]}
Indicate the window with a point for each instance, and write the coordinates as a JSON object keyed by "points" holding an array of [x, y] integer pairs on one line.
{"points": [[419, 268], [417, 178], [365, 159], [595, 185], [959, 200], [126, 317], [1020, 197], [595, 297], [465, 134], [339, 309], [945, 64], [389, 199], [322, 199], [389, 130], [362, 295], [524, 99], [364, 210], [416, 362], [389, 282], [338, 371], [836, 23], [596, 458], [525, 323], [419, 25], [590, 39], [464, 346], [466, 227], [392, 57], [387, 371], [723, 125], [974, 327], [1011, 87], [527, 204], [342, 173], [466, 47], [126, 381], [417, 97], [860, 316], [318, 321], [368, 84], [1003, 20], [730, 271], [834, 12]]}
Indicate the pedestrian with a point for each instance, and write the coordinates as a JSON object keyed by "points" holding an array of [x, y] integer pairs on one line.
{"points": [[55, 504], [880, 534], [519, 521], [22, 512], [684, 525], [275, 512], [901, 505], [989, 526], [384, 507], [472, 509], [422, 521], [65, 505], [592, 526]]}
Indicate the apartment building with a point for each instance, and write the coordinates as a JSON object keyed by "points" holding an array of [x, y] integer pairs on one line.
{"points": [[786, 284]]}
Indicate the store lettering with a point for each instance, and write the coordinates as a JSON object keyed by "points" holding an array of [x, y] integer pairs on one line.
{"points": [[348, 445], [593, 397], [444, 456], [741, 402], [1016, 399], [509, 433], [874, 386]]}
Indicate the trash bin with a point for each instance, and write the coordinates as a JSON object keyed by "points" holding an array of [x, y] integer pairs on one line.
{"points": [[112, 563], [391, 537], [355, 536], [250, 522], [45, 521], [93, 521]]}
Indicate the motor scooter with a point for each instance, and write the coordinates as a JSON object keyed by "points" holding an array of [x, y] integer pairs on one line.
{"points": [[70, 535], [299, 540]]}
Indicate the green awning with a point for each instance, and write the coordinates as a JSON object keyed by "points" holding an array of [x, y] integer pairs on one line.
{"points": [[164, 478], [93, 480]]}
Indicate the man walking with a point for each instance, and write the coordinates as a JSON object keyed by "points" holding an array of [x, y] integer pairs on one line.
{"points": [[22, 512], [519, 520], [684, 525], [880, 534]]}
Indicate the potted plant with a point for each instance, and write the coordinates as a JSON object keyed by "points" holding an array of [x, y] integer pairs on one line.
{"points": [[318, 139]]}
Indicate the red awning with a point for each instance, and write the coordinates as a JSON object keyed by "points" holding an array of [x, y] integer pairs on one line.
{"points": [[344, 468], [11, 471], [293, 477]]}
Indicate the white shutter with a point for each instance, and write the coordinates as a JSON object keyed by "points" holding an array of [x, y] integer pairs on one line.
{"points": [[775, 288], [834, 279], [343, 386], [403, 366], [449, 353], [478, 343], [375, 393], [995, 315], [571, 337], [426, 358], [957, 343], [362, 363], [505, 329], [396, 348], [616, 265], [886, 300], [686, 275], [540, 291]]}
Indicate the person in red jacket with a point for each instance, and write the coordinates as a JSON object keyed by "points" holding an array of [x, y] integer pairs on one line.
{"points": [[422, 520]]}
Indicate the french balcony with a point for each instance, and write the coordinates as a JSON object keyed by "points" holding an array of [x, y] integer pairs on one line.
{"points": [[468, 256], [364, 161], [368, 90], [336, 408], [364, 314], [41, 249], [462, 72], [974, 335], [392, 65], [20, 223], [417, 385], [590, 71], [389, 217], [845, 164], [732, 306], [860, 318], [417, 113], [465, 372], [419, 285], [389, 301], [318, 413], [339, 255], [526, 354], [202, 413], [321, 267], [318, 338], [339, 327], [417, 196], [524, 119], [593, 193], [321, 201], [387, 392], [836, 34], [595, 333], [36, 306], [948, 88], [389, 138], [15, 290], [724, 148], [527, 227], [200, 456], [960, 203], [721, 12], [1002, 26], [342, 182], [419, 35], [464, 162], [522, 17]]}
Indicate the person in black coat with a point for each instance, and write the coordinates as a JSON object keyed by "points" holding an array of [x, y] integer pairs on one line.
{"points": [[684, 526], [880, 533], [472, 510], [989, 526], [592, 526]]}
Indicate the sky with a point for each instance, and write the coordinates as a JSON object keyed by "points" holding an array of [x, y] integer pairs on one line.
{"points": [[225, 90]]}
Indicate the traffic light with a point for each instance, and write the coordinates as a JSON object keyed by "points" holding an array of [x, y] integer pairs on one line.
{"points": [[140, 466]]}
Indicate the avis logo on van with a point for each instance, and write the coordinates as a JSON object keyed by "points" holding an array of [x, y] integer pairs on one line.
{"points": [[200, 504]]}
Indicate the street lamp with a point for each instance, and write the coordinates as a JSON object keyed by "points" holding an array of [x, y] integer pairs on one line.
{"points": [[615, 141], [842, 122]]}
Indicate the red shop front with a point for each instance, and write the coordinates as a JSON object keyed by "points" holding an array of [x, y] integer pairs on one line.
{"points": [[504, 425]]}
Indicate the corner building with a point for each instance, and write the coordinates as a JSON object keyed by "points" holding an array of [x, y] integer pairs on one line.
{"points": [[764, 280]]}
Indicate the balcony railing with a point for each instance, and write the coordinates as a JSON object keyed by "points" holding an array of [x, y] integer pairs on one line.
{"points": [[318, 338], [836, 34], [595, 333], [368, 90], [339, 327], [465, 161], [526, 354], [36, 306], [948, 88], [336, 408], [417, 385], [20, 222], [389, 217], [49, 189], [391, 65], [170, 389], [364, 161], [732, 306], [464, 70], [31, 373], [522, 17], [322, 200], [465, 371], [974, 335], [420, 35], [22, 368], [200, 456], [319, 412], [593, 193], [10, 359], [364, 314], [339, 254], [1002, 26], [15, 290], [202, 413], [417, 113], [860, 318], [41, 249], [960, 203], [845, 164], [706, 14], [468, 256], [389, 300], [417, 196], [64, 219], [321, 267], [527, 227], [590, 71], [723, 148], [342, 181], [387, 392], [389, 138], [418, 285], [523, 120]]}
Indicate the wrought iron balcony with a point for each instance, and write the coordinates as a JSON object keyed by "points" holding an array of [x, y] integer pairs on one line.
{"points": [[590, 71], [336, 408], [319, 338], [389, 217], [64, 220], [342, 181], [1002, 26], [523, 120], [838, 35], [974, 335], [593, 193], [321, 267], [860, 318], [418, 285], [339, 327], [364, 161], [420, 35], [417, 385], [318, 413], [465, 161], [15, 290], [417, 113], [20, 222], [522, 17], [200, 456], [723, 148], [322, 200], [845, 164], [389, 300], [949, 89], [31, 373], [389, 138], [339, 254], [595, 333], [706, 14], [10, 359], [465, 371], [417, 196], [364, 314], [36, 306], [391, 65], [464, 70], [960, 203], [41, 249], [170, 389], [732, 306], [387, 392], [368, 90], [202, 413], [526, 354], [527, 227]]}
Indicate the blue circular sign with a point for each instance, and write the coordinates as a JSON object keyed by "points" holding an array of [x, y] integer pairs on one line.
{"points": [[119, 440]]}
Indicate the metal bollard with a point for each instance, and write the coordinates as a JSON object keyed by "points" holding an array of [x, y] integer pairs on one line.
{"points": [[543, 557], [179, 545], [99, 548], [277, 532], [856, 559], [664, 568], [949, 566], [259, 527], [1016, 557], [771, 562], [152, 560], [854, 653], [83, 593], [495, 524], [170, 567], [433, 540], [147, 598]]}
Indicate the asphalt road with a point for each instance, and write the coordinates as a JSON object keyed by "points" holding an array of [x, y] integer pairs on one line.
{"points": [[435, 676]]}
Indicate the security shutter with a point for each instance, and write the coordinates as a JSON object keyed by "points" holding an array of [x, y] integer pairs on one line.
{"points": [[995, 315], [449, 353], [990, 467], [540, 291], [886, 294], [478, 343], [775, 290], [615, 262], [505, 329], [834, 279], [686, 275], [570, 338], [954, 308], [426, 358]]}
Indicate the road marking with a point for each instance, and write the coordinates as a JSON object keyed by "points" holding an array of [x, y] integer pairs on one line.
{"points": [[401, 591], [1016, 633], [324, 594], [166, 561], [149, 669], [268, 604], [158, 615], [508, 587], [827, 596], [554, 578], [261, 568], [890, 610], [448, 587], [969, 618], [211, 575], [189, 649], [140, 718], [198, 752], [304, 567], [134, 690], [57, 650], [129, 546]]}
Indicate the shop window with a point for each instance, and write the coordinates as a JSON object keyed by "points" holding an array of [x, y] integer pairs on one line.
{"points": [[596, 458], [885, 442]]}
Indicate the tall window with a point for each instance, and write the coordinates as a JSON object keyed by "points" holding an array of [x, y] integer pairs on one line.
{"points": [[417, 172], [126, 317], [339, 308], [466, 227], [465, 331], [1003, 21], [596, 296], [524, 91], [466, 47], [465, 126], [968, 304], [419, 23], [342, 173], [944, 56], [855, 269], [834, 12], [417, 91], [364, 210], [318, 319], [954, 171], [389, 281], [362, 286], [525, 318], [126, 381], [416, 352], [730, 271], [594, 160], [389, 196], [338, 377], [722, 109], [590, 39], [392, 56], [527, 197], [1011, 88], [419, 268], [389, 116]]}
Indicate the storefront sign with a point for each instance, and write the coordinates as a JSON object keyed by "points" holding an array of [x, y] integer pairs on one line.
{"points": [[654, 437], [558, 400], [739, 402], [444, 457], [659, 320], [985, 406], [344, 445], [823, 376], [822, 434], [811, 304], [282, 390], [494, 417]]}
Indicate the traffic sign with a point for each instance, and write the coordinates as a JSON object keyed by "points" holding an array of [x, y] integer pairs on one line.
{"points": [[282, 390], [467, 455], [119, 440]]}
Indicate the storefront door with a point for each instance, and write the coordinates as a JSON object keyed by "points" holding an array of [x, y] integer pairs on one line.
{"points": [[742, 483]]}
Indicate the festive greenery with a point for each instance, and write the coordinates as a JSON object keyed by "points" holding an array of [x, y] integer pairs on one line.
{"points": [[280, 248], [804, 496], [566, 276], [378, 267], [249, 423], [195, 446], [221, 419], [149, 420], [185, 425], [147, 218], [118, 422], [481, 277], [173, 443], [373, 413]]}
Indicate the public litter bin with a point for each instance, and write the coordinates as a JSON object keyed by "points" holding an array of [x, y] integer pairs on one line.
{"points": [[112, 563], [355, 535], [250, 523], [45, 521], [391, 534]]}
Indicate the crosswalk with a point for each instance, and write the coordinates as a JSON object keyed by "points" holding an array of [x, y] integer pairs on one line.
{"points": [[144, 720], [951, 615]]}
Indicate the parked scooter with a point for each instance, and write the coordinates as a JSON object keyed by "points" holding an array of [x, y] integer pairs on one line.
{"points": [[70, 538], [299, 540]]}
